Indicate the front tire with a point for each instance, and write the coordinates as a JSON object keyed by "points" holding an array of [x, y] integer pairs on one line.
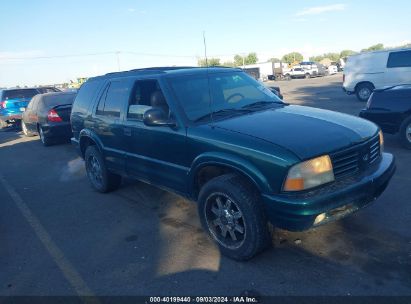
{"points": [[100, 178], [364, 91], [231, 212], [405, 133], [307, 76]]}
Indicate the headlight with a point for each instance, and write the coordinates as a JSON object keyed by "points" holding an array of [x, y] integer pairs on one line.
{"points": [[381, 141], [309, 174]]}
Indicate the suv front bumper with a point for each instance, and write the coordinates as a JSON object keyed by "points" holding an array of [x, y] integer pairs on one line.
{"points": [[297, 212]]}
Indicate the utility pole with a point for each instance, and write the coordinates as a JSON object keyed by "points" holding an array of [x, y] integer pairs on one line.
{"points": [[118, 60]]}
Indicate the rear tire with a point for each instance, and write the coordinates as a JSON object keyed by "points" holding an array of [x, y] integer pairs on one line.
{"points": [[46, 141], [100, 178], [405, 133], [26, 132], [307, 76], [231, 212], [364, 91]]}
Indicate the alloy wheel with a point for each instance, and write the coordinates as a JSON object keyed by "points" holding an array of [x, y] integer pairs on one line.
{"points": [[94, 171], [225, 220]]}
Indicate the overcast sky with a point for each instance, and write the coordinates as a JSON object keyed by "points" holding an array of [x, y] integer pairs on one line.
{"points": [[46, 42]]}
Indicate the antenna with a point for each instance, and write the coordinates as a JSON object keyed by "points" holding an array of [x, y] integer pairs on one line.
{"points": [[205, 48]]}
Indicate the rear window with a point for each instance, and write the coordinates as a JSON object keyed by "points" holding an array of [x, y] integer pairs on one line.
{"points": [[399, 59], [48, 90], [19, 93], [59, 99]]}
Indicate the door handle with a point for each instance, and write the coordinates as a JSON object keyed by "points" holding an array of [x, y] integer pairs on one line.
{"points": [[127, 131]]}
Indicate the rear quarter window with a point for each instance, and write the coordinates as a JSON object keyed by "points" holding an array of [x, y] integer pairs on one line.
{"points": [[85, 96], [399, 59]]}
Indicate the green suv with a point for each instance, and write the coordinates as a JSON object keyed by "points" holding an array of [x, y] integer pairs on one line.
{"points": [[219, 137]]}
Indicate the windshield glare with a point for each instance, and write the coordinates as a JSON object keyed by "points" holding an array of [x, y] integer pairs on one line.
{"points": [[203, 94]]}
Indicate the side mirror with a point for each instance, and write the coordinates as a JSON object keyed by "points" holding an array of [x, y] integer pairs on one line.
{"points": [[156, 117]]}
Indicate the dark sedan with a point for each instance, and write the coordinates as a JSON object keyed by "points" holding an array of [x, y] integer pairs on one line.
{"points": [[49, 116], [391, 109]]}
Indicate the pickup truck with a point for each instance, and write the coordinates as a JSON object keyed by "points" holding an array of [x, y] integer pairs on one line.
{"points": [[219, 137], [297, 73]]}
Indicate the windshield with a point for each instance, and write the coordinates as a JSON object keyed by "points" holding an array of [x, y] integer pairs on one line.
{"points": [[200, 95], [20, 93]]}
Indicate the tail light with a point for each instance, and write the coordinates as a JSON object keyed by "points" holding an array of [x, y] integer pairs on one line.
{"points": [[2, 104], [52, 116]]}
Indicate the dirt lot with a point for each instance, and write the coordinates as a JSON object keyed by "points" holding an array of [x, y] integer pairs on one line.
{"points": [[59, 237]]}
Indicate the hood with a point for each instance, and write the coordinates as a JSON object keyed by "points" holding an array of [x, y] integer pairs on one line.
{"points": [[306, 131]]}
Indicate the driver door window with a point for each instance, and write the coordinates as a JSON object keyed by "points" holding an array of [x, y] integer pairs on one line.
{"points": [[145, 95]]}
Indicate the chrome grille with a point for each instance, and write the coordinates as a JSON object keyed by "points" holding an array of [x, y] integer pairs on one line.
{"points": [[355, 159], [375, 151]]}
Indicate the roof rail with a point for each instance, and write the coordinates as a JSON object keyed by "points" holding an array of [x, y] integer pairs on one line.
{"points": [[152, 69]]}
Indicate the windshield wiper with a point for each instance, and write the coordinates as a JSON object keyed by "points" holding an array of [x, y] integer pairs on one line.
{"points": [[223, 112], [261, 103]]}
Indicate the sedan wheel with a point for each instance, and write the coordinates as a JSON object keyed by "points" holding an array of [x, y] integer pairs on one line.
{"points": [[44, 139]]}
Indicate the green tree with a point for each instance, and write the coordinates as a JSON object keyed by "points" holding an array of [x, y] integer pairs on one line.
{"points": [[209, 62], [292, 57], [274, 60], [251, 58], [346, 53], [317, 58], [375, 47], [332, 56]]}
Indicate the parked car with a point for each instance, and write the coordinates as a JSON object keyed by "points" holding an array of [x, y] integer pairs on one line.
{"points": [[14, 101], [367, 71], [332, 69], [218, 137], [314, 68], [297, 73], [391, 110], [49, 116]]}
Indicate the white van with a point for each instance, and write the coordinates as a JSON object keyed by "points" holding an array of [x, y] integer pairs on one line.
{"points": [[376, 70]]}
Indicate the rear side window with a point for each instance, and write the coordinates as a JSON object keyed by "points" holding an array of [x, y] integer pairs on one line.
{"points": [[85, 96], [399, 59], [20, 93], [114, 99]]}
